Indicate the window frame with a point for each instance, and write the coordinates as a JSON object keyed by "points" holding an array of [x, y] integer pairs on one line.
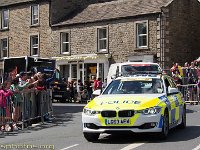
{"points": [[3, 19], [2, 48], [32, 47], [32, 15], [139, 35], [102, 39], [64, 42]]}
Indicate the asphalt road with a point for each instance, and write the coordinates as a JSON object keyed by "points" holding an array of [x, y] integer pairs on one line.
{"points": [[65, 132]]}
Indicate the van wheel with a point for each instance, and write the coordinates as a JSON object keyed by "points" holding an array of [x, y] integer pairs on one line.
{"points": [[165, 127], [91, 137]]}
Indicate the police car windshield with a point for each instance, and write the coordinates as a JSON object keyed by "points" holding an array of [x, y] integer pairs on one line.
{"points": [[135, 86], [126, 69]]}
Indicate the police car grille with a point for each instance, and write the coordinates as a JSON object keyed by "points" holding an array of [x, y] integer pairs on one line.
{"points": [[126, 113], [109, 113]]}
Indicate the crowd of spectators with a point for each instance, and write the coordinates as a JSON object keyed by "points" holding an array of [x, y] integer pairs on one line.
{"points": [[187, 74], [11, 100], [187, 78], [82, 92]]}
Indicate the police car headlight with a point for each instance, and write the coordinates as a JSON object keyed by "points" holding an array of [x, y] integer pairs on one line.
{"points": [[151, 111], [90, 112]]}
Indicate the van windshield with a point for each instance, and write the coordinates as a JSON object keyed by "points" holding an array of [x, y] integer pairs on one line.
{"points": [[126, 69]]}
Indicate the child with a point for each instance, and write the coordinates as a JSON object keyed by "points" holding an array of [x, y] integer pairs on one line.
{"points": [[4, 93]]}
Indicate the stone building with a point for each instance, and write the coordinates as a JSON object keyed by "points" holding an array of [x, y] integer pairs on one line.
{"points": [[86, 36], [97, 33], [25, 29]]}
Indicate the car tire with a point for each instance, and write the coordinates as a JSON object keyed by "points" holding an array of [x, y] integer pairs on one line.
{"points": [[183, 122], [91, 137], [165, 127]]}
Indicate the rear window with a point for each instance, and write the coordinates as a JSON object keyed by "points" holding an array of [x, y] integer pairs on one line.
{"points": [[126, 69]]}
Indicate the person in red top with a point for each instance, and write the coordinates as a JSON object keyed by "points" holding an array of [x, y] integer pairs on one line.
{"points": [[95, 83]]}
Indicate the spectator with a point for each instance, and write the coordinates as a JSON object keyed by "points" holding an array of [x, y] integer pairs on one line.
{"points": [[186, 71], [104, 83], [79, 89], [99, 84], [4, 93], [174, 68], [17, 97], [94, 83], [178, 80], [22, 78]]}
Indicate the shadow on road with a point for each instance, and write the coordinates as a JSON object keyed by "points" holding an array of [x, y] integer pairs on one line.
{"points": [[175, 135], [62, 116], [190, 111]]}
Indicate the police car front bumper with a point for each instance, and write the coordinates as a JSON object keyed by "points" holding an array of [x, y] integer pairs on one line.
{"points": [[143, 124]]}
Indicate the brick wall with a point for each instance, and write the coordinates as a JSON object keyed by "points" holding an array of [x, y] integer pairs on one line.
{"points": [[20, 30]]}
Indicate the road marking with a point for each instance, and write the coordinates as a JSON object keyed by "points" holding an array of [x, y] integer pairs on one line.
{"points": [[132, 146], [69, 147], [197, 148]]}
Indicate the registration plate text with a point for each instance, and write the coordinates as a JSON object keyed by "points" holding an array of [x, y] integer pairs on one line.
{"points": [[117, 121]]}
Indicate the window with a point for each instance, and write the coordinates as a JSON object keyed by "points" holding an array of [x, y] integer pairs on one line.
{"points": [[34, 42], [4, 19], [102, 39], [64, 42], [4, 48], [142, 36], [34, 14]]}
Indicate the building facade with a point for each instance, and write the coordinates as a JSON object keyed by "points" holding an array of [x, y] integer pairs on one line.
{"points": [[86, 36], [25, 29], [162, 31]]}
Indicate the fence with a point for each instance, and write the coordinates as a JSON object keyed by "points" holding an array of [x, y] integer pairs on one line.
{"points": [[25, 107], [191, 93]]}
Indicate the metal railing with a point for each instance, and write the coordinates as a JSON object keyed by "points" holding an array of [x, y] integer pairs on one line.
{"points": [[191, 93], [25, 107]]}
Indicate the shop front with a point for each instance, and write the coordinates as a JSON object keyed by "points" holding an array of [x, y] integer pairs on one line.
{"points": [[83, 67]]}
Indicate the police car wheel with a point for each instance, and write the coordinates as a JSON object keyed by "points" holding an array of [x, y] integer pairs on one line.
{"points": [[165, 127], [183, 122], [91, 137]]}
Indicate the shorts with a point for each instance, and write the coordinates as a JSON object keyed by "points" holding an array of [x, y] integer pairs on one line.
{"points": [[2, 112]]}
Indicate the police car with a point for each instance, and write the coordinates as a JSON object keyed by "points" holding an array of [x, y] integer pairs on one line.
{"points": [[146, 102]]}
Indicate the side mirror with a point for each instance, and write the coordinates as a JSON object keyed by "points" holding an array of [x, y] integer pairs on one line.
{"points": [[172, 90]]}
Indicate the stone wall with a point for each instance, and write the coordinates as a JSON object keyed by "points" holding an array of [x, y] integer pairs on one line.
{"points": [[181, 32], [20, 30], [83, 39]]}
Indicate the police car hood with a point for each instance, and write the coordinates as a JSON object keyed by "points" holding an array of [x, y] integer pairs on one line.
{"points": [[129, 101]]}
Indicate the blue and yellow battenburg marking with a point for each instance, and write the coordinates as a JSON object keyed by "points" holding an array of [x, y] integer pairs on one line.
{"points": [[174, 104]]}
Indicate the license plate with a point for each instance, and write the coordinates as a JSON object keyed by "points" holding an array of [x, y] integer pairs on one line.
{"points": [[57, 95], [117, 121]]}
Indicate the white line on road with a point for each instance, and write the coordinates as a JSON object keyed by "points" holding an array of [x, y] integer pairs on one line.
{"points": [[69, 147], [132, 146], [197, 148]]}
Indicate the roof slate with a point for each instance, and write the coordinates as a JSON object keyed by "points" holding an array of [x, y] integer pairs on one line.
{"points": [[11, 2], [114, 10]]}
